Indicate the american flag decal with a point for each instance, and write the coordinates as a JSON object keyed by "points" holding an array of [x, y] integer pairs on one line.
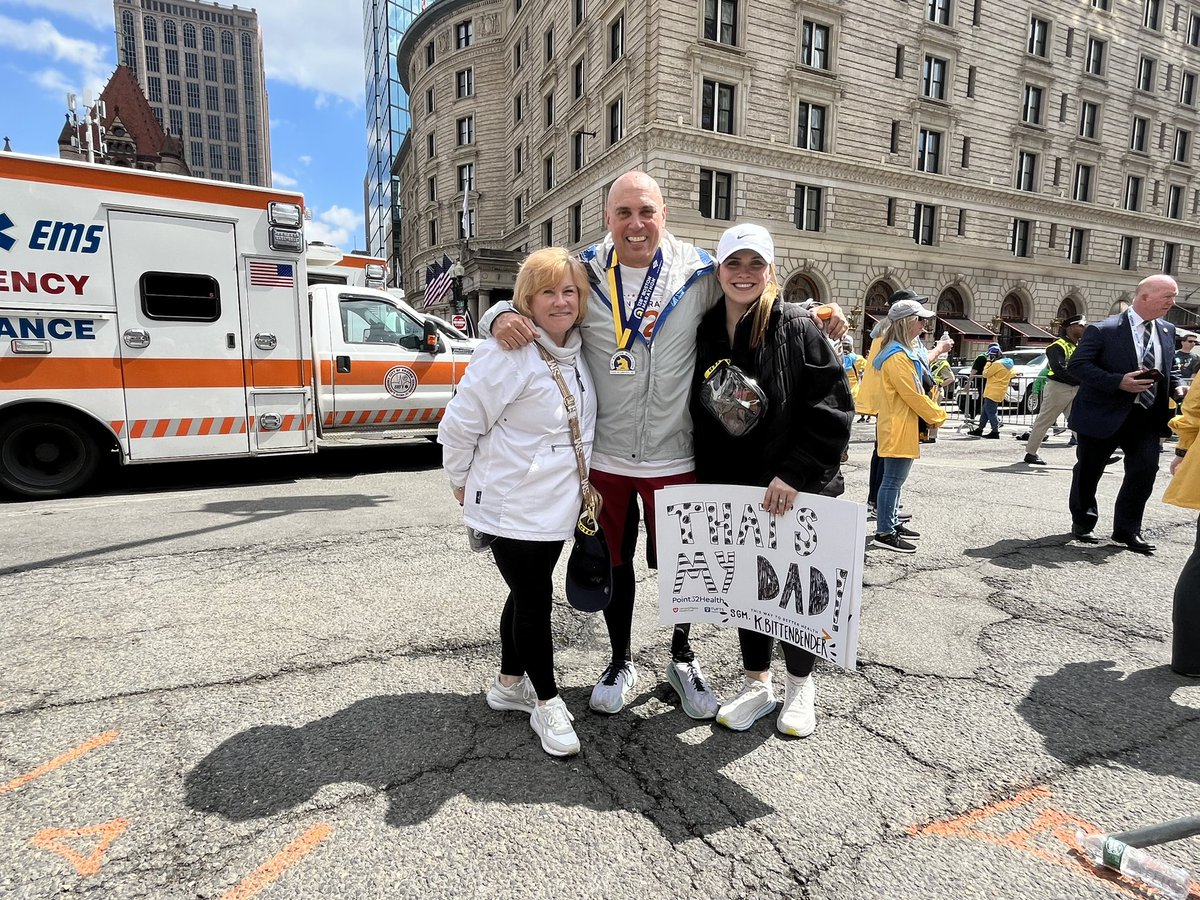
{"points": [[270, 274]]}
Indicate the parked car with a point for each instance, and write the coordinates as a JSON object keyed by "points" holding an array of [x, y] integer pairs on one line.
{"points": [[1023, 397]]}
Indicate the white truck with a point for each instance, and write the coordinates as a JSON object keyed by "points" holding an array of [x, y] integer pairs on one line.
{"points": [[153, 317]]}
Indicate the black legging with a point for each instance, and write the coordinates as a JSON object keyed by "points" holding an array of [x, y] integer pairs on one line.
{"points": [[618, 615], [526, 645], [756, 654], [875, 476]]}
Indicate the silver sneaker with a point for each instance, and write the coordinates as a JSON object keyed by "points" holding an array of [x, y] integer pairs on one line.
{"points": [[552, 723], [521, 697], [613, 688], [755, 700], [695, 695], [798, 716]]}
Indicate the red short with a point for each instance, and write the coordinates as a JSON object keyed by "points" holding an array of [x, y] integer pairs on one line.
{"points": [[618, 491]]}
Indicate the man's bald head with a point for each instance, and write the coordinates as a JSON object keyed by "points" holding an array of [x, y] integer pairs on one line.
{"points": [[1155, 296], [636, 216]]}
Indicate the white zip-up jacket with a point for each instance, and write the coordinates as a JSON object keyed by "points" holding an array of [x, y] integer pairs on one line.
{"points": [[505, 436]]}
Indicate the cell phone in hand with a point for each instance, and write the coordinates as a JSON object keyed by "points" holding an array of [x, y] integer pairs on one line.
{"points": [[1148, 375]]}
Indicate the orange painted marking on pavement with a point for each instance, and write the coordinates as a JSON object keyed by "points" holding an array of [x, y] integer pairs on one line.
{"points": [[61, 760], [55, 840], [960, 824], [266, 874]]}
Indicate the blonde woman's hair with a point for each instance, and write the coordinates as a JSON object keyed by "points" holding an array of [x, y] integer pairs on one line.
{"points": [[898, 330], [762, 308], [545, 268]]}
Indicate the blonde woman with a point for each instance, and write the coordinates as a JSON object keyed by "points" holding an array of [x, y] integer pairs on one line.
{"points": [[508, 451]]}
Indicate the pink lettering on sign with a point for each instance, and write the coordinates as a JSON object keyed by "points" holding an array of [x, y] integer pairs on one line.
{"points": [[12, 281]]}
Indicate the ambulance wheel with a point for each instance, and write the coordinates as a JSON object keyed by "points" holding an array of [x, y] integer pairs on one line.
{"points": [[46, 455]]}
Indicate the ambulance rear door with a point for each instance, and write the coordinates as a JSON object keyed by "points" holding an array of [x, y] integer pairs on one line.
{"points": [[179, 317]]}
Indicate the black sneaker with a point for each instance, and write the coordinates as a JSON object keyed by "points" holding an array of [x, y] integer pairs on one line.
{"points": [[894, 543], [907, 533], [993, 435], [1034, 460]]}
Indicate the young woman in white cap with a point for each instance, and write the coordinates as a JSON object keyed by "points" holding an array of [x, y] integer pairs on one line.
{"points": [[795, 445]]}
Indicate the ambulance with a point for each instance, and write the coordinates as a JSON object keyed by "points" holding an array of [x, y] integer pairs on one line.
{"points": [[152, 318], [329, 265]]}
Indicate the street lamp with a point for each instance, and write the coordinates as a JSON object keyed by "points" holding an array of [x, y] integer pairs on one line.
{"points": [[457, 272]]}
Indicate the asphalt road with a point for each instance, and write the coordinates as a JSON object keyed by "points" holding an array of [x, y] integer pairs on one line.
{"points": [[266, 679]]}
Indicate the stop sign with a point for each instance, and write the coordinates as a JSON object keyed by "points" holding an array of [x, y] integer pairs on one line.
{"points": [[459, 321]]}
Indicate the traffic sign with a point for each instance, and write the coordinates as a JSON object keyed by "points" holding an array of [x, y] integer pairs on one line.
{"points": [[459, 321]]}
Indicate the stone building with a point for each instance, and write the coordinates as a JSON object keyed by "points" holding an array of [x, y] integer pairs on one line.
{"points": [[1016, 162], [200, 66]]}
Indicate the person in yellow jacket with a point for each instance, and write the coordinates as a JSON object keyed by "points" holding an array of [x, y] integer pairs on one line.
{"points": [[904, 402], [853, 364], [1184, 490], [997, 373]]}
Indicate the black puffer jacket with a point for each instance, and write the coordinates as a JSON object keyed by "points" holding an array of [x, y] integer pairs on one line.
{"points": [[805, 431]]}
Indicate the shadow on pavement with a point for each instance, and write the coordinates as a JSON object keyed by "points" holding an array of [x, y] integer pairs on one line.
{"points": [[1050, 552], [1090, 710], [421, 749]]}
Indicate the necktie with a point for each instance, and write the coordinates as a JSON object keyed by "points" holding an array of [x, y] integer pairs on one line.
{"points": [[1146, 398]]}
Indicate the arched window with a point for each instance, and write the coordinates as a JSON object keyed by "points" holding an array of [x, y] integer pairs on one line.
{"points": [[169, 36], [210, 40], [800, 288], [227, 43], [950, 304], [189, 35], [876, 306], [150, 28], [1066, 309], [1012, 309]]}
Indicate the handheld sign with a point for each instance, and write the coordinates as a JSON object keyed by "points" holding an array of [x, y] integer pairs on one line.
{"points": [[797, 577]]}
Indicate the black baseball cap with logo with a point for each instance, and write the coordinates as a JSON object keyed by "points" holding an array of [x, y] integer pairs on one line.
{"points": [[589, 571]]}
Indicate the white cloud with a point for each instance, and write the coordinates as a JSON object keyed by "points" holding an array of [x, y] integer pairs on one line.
{"points": [[316, 45], [99, 15], [305, 160], [279, 180], [91, 62], [338, 226]]}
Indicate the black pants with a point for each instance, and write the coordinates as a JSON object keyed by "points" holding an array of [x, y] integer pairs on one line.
{"points": [[756, 654], [1139, 439], [875, 478], [618, 615], [1185, 644], [526, 645]]}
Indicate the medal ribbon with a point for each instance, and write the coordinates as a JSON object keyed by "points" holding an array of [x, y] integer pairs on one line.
{"points": [[627, 327]]}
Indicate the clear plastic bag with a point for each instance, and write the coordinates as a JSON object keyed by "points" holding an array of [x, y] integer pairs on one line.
{"points": [[732, 397]]}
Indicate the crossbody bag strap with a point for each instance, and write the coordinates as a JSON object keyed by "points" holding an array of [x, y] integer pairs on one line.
{"points": [[590, 497]]}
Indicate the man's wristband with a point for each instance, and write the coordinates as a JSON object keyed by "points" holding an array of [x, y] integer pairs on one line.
{"points": [[1179, 452]]}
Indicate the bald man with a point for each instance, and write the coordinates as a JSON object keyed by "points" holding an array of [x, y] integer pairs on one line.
{"points": [[1126, 370], [662, 287]]}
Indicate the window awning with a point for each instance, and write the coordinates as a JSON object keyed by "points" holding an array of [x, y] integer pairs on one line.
{"points": [[1031, 332], [968, 328]]}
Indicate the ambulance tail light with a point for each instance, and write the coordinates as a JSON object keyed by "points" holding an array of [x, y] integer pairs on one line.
{"points": [[30, 346], [287, 215], [375, 273]]}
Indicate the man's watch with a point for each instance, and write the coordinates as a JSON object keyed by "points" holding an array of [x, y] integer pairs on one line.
{"points": [[1179, 452]]}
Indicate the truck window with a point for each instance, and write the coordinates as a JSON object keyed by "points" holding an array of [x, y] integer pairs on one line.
{"points": [[370, 321], [179, 296]]}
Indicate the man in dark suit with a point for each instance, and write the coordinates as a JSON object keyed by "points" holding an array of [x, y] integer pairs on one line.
{"points": [[1126, 370]]}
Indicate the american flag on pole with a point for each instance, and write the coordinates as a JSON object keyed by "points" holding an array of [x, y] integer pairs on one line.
{"points": [[271, 274], [443, 280]]}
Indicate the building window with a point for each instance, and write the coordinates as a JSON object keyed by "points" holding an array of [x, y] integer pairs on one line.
{"points": [[517, 56], [1127, 258], [971, 81], [1081, 186], [1089, 118], [1152, 18], [191, 65], [1145, 74], [1039, 34], [518, 209], [1138, 129], [924, 223], [933, 78], [938, 11], [548, 39], [464, 83], [1094, 63], [1027, 171], [616, 39], [716, 189], [548, 105], [155, 85], [575, 223], [429, 145], [616, 120], [890, 213], [810, 131], [894, 142], [1175, 201], [469, 232], [1031, 107], [518, 107], [929, 151], [430, 55], [548, 173], [1133, 193], [210, 68], [193, 95], [466, 177], [172, 60], [1187, 88], [518, 159], [577, 82], [579, 12], [431, 189], [1077, 246], [1022, 237], [577, 151], [809, 203], [1183, 145], [548, 233], [814, 51], [1100, 4], [720, 21], [464, 34], [899, 60], [716, 107], [465, 129], [1170, 255], [429, 100], [966, 153], [1193, 32]]}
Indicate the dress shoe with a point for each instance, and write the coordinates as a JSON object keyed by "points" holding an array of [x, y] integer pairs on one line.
{"points": [[1184, 673], [994, 435], [976, 432], [1084, 535], [1134, 542], [1034, 460]]}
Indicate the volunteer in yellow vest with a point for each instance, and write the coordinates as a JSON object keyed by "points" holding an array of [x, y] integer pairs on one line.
{"points": [[1184, 490], [997, 374], [1060, 388]]}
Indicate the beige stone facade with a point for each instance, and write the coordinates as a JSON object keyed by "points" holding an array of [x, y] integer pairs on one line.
{"points": [[885, 144]]}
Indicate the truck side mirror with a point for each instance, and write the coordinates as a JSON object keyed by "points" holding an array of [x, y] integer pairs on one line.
{"points": [[432, 342]]}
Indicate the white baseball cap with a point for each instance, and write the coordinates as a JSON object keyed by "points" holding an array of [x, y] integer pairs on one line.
{"points": [[746, 237]]}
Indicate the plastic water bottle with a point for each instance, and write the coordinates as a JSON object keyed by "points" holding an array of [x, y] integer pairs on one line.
{"points": [[946, 336], [1139, 865]]}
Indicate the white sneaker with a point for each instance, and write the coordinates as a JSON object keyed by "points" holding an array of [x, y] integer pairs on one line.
{"points": [[520, 697], [695, 695], [755, 700], [613, 688], [552, 723], [797, 716]]}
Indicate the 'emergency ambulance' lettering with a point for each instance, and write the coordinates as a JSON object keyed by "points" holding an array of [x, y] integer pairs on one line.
{"points": [[57, 329], [65, 237], [44, 282]]}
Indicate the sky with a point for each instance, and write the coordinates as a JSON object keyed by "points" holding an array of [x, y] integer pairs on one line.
{"points": [[315, 83]]}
